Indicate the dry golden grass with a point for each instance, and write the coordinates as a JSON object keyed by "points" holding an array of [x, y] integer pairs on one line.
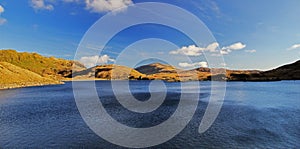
{"points": [[50, 67], [13, 76], [19, 69], [108, 72]]}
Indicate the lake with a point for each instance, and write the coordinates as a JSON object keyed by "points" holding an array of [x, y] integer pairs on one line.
{"points": [[253, 115]]}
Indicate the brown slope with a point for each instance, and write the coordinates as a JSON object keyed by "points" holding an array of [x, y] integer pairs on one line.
{"points": [[108, 72], [285, 72], [155, 68], [158, 71], [13, 76], [50, 67], [170, 73]]}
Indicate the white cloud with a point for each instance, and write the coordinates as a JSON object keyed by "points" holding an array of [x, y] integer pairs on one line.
{"points": [[193, 50], [189, 65], [40, 5], [89, 61], [250, 51], [2, 20], [1, 9], [106, 5], [225, 51], [97, 6], [212, 47], [295, 46], [236, 46]]}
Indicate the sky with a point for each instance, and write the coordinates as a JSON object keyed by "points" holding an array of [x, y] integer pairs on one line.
{"points": [[249, 34]]}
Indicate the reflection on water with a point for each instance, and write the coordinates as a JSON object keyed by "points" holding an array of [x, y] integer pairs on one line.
{"points": [[254, 115]]}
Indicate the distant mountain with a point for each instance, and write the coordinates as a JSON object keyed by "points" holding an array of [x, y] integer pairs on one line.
{"points": [[170, 73], [286, 72], [108, 72], [50, 67], [158, 71], [156, 68], [13, 76]]}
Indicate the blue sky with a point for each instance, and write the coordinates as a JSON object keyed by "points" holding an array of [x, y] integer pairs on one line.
{"points": [[251, 34]]}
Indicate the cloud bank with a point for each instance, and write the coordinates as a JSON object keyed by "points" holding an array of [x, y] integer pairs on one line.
{"points": [[189, 65], [213, 48], [100, 6], [193, 50], [89, 61], [95, 6]]}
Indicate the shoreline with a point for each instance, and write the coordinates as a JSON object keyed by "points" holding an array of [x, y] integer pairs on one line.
{"points": [[24, 85], [14, 86]]}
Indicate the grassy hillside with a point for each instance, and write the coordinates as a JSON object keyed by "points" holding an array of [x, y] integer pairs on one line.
{"points": [[109, 72], [13, 76], [45, 66], [31, 67], [155, 68], [170, 73], [158, 71]]}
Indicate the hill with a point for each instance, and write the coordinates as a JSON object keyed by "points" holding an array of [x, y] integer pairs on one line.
{"points": [[156, 68], [158, 71], [170, 73], [50, 67], [285, 72], [13, 76], [108, 72]]}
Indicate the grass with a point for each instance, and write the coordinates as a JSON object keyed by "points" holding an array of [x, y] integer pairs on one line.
{"points": [[13, 76], [50, 67]]}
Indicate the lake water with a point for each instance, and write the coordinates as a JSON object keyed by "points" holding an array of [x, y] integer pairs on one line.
{"points": [[253, 115]]}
